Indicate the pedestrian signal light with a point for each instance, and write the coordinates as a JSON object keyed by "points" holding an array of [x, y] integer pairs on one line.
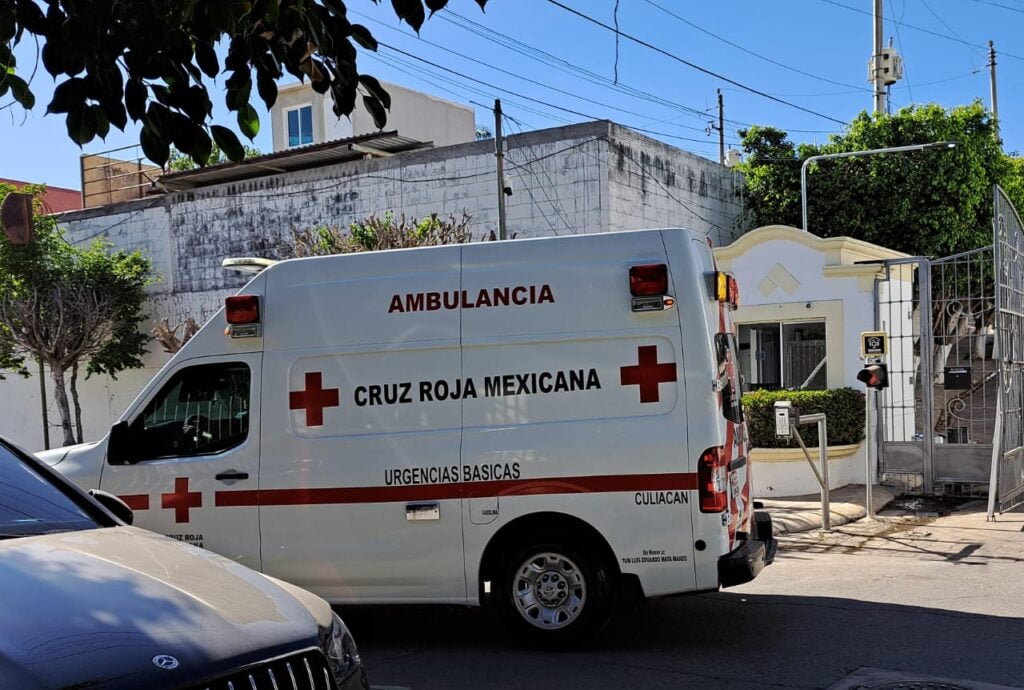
{"points": [[874, 376]]}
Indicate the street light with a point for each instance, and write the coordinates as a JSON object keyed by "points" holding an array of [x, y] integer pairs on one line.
{"points": [[944, 145]]}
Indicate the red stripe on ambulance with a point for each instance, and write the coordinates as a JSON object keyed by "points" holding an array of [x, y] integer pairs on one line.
{"points": [[136, 501], [683, 481]]}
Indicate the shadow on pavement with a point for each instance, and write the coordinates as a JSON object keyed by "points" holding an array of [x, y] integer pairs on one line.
{"points": [[719, 640]]}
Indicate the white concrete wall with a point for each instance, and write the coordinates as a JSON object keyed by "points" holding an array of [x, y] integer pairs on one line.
{"points": [[795, 478], [653, 184]]}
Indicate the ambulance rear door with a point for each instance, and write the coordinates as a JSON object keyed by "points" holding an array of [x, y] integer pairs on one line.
{"points": [[580, 406]]}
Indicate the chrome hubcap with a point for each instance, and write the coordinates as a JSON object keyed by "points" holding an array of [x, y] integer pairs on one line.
{"points": [[549, 591]]}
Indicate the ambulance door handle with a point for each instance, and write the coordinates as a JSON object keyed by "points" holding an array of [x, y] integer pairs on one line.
{"points": [[228, 476], [423, 511]]}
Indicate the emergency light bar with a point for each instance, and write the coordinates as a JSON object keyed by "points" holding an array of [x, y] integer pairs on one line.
{"points": [[648, 284], [243, 316], [724, 288]]}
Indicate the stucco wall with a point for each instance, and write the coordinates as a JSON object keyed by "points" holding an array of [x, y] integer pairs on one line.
{"points": [[653, 184]]}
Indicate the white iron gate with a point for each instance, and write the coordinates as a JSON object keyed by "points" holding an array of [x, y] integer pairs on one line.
{"points": [[1006, 489]]}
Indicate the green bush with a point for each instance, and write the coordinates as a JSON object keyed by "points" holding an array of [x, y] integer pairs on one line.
{"points": [[843, 408]]}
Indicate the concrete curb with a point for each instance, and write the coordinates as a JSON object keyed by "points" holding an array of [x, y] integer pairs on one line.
{"points": [[802, 513]]}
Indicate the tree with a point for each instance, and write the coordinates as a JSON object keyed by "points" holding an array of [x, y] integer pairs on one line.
{"points": [[69, 307], [930, 203], [149, 62], [376, 233], [181, 162], [1013, 185]]}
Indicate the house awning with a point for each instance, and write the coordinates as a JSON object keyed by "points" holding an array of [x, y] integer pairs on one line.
{"points": [[380, 144]]}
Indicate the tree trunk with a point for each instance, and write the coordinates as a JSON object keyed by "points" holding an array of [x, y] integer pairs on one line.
{"points": [[60, 395], [74, 400]]}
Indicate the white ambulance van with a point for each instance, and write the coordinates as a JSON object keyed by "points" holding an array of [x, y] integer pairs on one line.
{"points": [[540, 425]]}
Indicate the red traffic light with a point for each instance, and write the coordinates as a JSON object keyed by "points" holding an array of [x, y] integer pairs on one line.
{"points": [[874, 376]]}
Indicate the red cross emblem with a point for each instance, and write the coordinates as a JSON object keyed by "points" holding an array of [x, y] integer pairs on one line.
{"points": [[314, 399], [647, 373], [182, 500]]}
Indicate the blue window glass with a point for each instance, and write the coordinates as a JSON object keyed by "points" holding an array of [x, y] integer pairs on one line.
{"points": [[293, 127], [306, 124], [300, 126]]}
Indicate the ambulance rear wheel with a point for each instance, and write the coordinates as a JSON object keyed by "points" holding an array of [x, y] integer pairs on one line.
{"points": [[553, 594]]}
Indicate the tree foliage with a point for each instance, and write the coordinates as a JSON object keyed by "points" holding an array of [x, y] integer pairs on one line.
{"points": [[376, 233], [182, 162], [151, 62], [72, 307], [930, 203]]}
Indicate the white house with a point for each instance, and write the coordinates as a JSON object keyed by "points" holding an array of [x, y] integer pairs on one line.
{"points": [[301, 116], [804, 300]]}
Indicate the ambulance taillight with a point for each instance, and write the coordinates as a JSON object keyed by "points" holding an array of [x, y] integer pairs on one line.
{"points": [[712, 481], [648, 284], [243, 316]]}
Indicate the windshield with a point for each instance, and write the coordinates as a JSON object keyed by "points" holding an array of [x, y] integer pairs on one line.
{"points": [[31, 504]]}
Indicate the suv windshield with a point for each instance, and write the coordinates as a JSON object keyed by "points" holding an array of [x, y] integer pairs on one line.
{"points": [[31, 504]]}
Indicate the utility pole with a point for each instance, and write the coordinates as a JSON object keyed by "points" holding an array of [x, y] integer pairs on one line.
{"points": [[992, 80], [721, 128], [876, 59], [499, 154], [42, 397]]}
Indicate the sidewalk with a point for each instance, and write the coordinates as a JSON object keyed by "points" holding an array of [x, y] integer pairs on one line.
{"points": [[802, 513]]}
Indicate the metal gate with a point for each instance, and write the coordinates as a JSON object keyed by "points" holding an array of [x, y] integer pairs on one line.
{"points": [[1007, 472], [937, 418], [952, 419]]}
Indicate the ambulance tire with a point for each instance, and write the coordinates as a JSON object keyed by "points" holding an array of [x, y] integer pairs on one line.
{"points": [[554, 595]]}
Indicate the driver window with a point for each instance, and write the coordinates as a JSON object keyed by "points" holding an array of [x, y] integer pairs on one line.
{"points": [[201, 410]]}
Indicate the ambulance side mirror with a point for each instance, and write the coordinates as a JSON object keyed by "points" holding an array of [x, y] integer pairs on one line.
{"points": [[119, 445]]}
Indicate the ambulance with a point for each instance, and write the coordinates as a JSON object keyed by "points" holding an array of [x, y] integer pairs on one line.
{"points": [[543, 426]]}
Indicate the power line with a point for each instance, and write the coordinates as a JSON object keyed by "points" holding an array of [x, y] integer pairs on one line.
{"points": [[751, 52], [534, 100], [692, 65], [543, 57], [920, 29], [948, 28], [528, 79], [544, 190], [1005, 7], [512, 44], [401, 66], [899, 41]]}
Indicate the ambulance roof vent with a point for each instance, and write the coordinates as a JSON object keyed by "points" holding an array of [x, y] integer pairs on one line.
{"points": [[247, 264]]}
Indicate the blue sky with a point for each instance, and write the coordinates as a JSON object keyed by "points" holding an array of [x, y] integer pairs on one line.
{"points": [[810, 53]]}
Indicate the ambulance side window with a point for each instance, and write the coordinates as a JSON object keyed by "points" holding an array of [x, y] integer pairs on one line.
{"points": [[728, 376], [201, 410]]}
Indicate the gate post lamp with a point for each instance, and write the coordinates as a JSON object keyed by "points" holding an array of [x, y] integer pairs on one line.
{"points": [[945, 145]]}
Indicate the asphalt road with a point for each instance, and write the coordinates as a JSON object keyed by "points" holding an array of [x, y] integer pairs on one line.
{"points": [[940, 598]]}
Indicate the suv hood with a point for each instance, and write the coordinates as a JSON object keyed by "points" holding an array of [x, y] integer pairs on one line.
{"points": [[91, 609]]}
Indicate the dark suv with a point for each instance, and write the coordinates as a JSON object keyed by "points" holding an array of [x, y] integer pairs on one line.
{"points": [[90, 602]]}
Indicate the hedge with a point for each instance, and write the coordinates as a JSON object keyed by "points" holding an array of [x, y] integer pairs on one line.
{"points": [[843, 407]]}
